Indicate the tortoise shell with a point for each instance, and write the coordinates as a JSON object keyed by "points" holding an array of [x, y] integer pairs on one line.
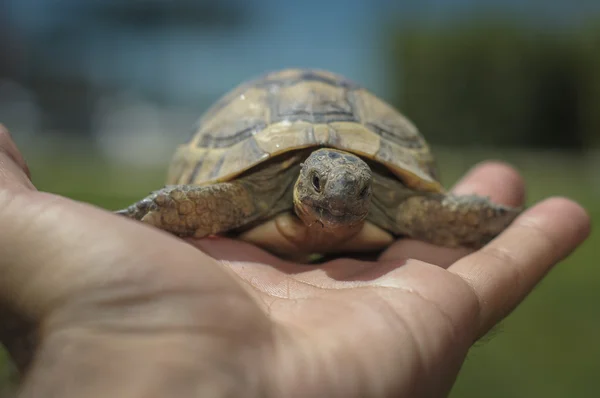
{"points": [[296, 109]]}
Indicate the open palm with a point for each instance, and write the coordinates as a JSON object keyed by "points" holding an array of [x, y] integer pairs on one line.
{"points": [[127, 310]]}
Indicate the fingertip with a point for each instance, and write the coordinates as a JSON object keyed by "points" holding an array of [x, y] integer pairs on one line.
{"points": [[564, 204], [497, 179], [498, 167], [564, 213]]}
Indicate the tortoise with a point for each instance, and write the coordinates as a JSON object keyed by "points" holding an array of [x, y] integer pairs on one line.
{"points": [[305, 161]]}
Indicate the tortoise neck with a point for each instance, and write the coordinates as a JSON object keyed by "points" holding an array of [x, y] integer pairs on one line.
{"points": [[272, 185]]}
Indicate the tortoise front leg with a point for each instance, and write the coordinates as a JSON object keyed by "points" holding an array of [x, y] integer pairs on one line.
{"points": [[453, 221], [439, 218], [199, 211]]}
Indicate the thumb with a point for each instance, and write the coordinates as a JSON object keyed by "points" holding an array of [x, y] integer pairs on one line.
{"points": [[57, 253], [43, 241], [15, 173], [16, 331]]}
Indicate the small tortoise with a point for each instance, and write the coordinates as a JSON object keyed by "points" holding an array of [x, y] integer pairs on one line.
{"points": [[303, 162]]}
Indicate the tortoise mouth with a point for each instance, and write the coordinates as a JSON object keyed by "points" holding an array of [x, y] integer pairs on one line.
{"points": [[328, 217], [330, 212]]}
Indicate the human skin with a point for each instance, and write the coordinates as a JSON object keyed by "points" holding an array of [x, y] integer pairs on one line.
{"points": [[130, 311]]}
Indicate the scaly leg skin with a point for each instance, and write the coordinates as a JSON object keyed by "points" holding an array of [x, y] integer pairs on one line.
{"points": [[198, 211], [453, 221], [438, 218]]}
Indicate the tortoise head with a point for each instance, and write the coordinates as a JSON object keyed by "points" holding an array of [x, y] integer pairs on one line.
{"points": [[333, 189]]}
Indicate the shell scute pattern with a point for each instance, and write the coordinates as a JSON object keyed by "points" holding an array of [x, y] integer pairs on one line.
{"points": [[313, 102], [295, 109], [245, 115]]}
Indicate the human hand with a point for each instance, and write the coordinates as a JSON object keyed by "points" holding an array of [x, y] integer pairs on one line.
{"points": [[128, 310]]}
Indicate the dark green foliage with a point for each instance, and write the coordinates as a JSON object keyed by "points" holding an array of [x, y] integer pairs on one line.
{"points": [[589, 72], [492, 82]]}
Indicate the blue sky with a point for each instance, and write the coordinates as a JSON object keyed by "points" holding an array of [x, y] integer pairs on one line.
{"points": [[344, 36]]}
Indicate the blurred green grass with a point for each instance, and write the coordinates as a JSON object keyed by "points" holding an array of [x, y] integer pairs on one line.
{"points": [[547, 347]]}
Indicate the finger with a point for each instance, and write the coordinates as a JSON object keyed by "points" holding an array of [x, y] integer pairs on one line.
{"points": [[499, 181], [507, 269], [502, 183], [14, 172]]}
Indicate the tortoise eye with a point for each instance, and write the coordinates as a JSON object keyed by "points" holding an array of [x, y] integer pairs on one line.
{"points": [[364, 192], [316, 182]]}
